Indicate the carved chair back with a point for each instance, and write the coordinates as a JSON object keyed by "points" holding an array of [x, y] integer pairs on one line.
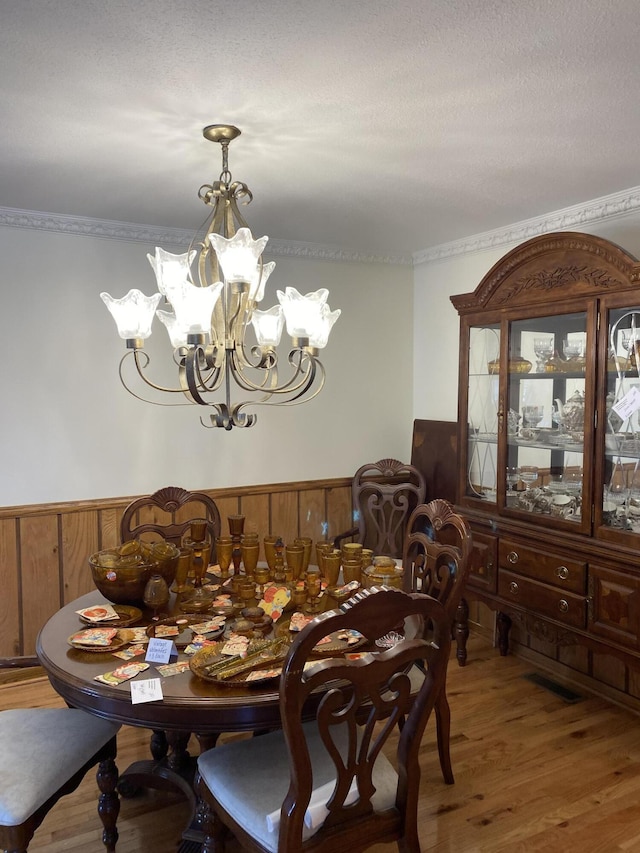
{"points": [[384, 495], [437, 553], [362, 702], [168, 513]]}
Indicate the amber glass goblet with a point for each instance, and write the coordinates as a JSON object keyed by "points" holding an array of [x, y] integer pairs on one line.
{"points": [[295, 559], [224, 551], [331, 561], [250, 553], [262, 577], [270, 550], [156, 594], [307, 544]]}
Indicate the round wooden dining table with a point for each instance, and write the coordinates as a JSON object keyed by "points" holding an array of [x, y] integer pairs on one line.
{"points": [[189, 705]]}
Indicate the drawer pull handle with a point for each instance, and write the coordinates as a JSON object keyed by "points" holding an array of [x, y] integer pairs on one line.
{"points": [[513, 588], [513, 557], [562, 572], [563, 604]]}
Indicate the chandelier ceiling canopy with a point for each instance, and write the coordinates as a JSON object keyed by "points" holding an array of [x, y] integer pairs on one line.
{"points": [[211, 293]]}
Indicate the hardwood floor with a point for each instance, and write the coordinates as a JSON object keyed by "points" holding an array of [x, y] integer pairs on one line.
{"points": [[533, 773]]}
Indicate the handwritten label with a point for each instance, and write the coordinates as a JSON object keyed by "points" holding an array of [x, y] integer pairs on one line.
{"points": [[160, 651], [629, 404], [146, 690]]}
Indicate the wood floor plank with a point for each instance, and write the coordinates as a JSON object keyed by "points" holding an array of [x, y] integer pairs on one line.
{"points": [[534, 774]]}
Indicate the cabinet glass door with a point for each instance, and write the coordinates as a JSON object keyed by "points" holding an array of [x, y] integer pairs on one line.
{"points": [[621, 472], [482, 412], [545, 416]]}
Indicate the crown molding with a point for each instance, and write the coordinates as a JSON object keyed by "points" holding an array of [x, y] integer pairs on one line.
{"points": [[573, 218], [177, 237]]}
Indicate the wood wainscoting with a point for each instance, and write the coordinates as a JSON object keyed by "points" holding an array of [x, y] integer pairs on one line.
{"points": [[44, 547]]}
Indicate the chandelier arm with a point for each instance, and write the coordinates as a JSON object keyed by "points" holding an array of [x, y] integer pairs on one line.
{"points": [[294, 401], [296, 384], [194, 376], [148, 382]]}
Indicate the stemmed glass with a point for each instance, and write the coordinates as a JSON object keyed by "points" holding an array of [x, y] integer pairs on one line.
{"points": [[532, 415], [543, 349], [528, 474], [512, 478]]}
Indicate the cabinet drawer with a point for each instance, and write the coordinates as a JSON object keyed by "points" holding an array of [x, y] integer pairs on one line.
{"points": [[543, 566], [541, 598]]}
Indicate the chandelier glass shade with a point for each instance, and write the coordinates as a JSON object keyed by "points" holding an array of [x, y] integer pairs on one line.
{"points": [[223, 344]]}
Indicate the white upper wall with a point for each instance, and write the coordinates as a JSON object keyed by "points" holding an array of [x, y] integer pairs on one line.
{"points": [[69, 431]]}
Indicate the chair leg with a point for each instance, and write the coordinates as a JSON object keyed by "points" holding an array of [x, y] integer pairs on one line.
{"points": [[108, 802], [443, 730], [461, 631], [215, 832]]}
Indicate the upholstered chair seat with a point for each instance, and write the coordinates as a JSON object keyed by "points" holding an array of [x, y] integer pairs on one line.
{"points": [[44, 753]]}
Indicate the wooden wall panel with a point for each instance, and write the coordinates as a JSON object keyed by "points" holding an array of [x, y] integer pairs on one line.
{"points": [[255, 509], [79, 540], [109, 527], [40, 574], [284, 515], [226, 507], [339, 511], [44, 547], [10, 597], [313, 515]]}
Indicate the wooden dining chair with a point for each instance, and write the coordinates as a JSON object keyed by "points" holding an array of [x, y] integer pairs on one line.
{"points": [[44, 754], [384, 494], [328, 783], [168, 513], [436, 560]]}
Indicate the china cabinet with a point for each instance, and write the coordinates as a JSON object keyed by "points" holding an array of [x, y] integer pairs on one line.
{"points": [[549, 444]]}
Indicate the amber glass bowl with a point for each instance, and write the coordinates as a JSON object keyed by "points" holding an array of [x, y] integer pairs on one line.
{"points": [[121, 573]]}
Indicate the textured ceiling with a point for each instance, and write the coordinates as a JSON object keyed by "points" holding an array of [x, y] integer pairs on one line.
{"points": [[383, 127]]}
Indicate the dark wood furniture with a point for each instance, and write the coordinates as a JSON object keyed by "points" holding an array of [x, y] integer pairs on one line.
{"points": [[436, 560], [434, 452], [189, 705], [45, 753], [168, 513], [341, 749], [384, 494], [549, 469]]}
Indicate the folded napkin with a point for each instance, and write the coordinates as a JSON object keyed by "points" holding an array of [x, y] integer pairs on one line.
{"points": [[317, 810]]}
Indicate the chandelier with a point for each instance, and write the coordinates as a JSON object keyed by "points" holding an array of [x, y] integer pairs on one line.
{"points": [[212, 312]]}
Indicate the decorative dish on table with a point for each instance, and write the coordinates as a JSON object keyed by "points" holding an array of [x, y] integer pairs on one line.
{"points": [[103, 614], [263, 657], [182, 629], [342, 593], [337, 642], [100, 640]]}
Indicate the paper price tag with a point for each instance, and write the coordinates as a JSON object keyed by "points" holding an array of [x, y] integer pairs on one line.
{"points": [[160, 651], [147, 690], [629, 404]]}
